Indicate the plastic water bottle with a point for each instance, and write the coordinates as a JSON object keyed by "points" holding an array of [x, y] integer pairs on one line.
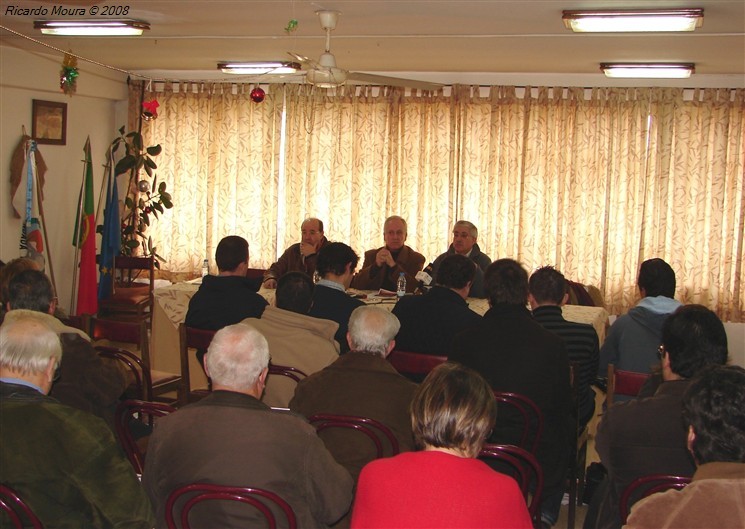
{"points": [[205, 268], [401, 285]]}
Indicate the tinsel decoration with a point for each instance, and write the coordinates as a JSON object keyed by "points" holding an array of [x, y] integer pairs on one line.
{"points": [[291, 26], [150, 109], [68, 80]]}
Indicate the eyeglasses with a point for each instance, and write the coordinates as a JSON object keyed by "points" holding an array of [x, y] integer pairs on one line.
{"points": [[660, 351]]}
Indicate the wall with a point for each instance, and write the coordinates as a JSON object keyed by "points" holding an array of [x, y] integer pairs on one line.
{"points": [[97, 110]]}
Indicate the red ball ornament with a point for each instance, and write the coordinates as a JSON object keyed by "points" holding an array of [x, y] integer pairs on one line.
{"points": [[257, 95]]}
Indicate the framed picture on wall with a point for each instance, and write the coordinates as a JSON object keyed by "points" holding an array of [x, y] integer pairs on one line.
{"points": [[49, 122]]}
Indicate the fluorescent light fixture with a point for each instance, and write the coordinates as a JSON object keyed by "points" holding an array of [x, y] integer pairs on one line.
{"points": [[91, 28], [634, 21], [680, 70], [259, 67]]}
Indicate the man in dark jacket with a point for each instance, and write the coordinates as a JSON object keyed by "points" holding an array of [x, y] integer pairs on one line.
{"points": [[301, 256], [465, 235]]}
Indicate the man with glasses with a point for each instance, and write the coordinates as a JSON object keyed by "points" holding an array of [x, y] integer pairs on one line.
{"points": [[301, 256], [465, 235]]}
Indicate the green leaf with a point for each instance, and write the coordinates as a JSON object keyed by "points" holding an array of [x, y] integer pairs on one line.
{"points": [[125, 164], [148, 170], [131, 244], [121, 130], [161, 188], [155, 211], [158, 206], [155, 150], [146, 218], [140, 162], [136, 140], [128, 202], [167, 203], [141, 204], [166, 196], [150, 163], [129, 230]]}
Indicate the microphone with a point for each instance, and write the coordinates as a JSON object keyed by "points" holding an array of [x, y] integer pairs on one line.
{"points": [[424, 277]]}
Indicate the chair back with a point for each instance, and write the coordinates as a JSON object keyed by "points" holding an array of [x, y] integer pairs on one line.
{"points": [[524, 467], [128, 295], [532, 418], [190, 337], [262, 500], [19, 513], [621, 382], [143, 411], [376, 431], [140, 375], [287, 371], [408, 363], [646, 485]]}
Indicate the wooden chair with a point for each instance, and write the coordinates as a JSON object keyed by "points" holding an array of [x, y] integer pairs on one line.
{"points": [[195, 493], [524, 467], [578, 461], [129, 296], [646, 485], [414, 365], [622, 382], [376, 431], [190, 337], [532, 418], [144, 411], [141, 384], [19, 513], [155, 383]]}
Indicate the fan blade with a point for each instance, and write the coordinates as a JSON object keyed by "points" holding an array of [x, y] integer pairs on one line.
{"points": [[385, 80]]}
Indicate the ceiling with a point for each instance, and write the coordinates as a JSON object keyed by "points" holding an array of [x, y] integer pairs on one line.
{"points": [[457, 41]]}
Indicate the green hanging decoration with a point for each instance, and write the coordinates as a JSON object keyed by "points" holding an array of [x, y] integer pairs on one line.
{"points": [[291, 26], [68, 81]]}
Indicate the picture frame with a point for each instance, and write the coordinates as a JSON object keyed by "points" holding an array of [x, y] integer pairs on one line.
{"points": [[49, 122]]}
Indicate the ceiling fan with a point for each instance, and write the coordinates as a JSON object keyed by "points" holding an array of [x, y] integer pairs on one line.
{"points": [[324, 73]]}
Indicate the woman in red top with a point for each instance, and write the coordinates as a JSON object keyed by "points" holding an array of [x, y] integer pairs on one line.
{"points": [[444, 485]]}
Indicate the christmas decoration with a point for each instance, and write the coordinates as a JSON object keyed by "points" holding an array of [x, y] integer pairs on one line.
{"points": [[257, 95], [69, 74], [150, 109], [143, 186], [291, 26]]}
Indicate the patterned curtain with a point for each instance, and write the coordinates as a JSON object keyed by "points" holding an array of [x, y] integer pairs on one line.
{"points": [[591, 181]]}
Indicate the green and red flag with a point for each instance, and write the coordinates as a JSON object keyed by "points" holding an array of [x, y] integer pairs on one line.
{"points": [[85, 240]]}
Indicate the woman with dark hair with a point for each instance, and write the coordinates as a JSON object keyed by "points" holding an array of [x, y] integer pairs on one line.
{"points": [[443, 485]]}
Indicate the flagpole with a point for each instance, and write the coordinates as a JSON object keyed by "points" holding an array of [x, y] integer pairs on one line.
{"points": [[106, 171], [44, 229], [76, 235]]}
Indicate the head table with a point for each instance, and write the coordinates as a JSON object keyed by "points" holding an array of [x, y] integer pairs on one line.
{"points": [[172, 302]]}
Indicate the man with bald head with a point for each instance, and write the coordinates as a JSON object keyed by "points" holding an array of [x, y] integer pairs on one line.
{"points": [[230, 437], [301, 256]]}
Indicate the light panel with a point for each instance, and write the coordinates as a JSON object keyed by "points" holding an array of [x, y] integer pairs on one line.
{"points": [[259, 67], [663, 20], [92, 28], [648, 70]]}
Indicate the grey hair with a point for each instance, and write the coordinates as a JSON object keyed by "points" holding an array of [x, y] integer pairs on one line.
{"points": [[27, 343], [472, 229], [237, 356], [396, 217], [371, 329]]}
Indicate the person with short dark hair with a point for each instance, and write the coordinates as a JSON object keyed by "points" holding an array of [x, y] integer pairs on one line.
{"points": [[548, 292], [295, 338], [631, 344], [465, 235], [646, 436], [714, 413], [301, 256], [430, 322], [228, 297], [335, 266], [514, 353], [443, 485]]}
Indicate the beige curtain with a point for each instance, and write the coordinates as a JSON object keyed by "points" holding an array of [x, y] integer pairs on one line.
{"points": [[591, 181]]}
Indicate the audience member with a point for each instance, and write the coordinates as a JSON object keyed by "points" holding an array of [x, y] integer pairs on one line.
{"points": [[633, 338], [382, 266], [547, 294], [231, 438], [295, 338], [7, 272], [364, 384], [714, 413], [336, 265], [430, 322], [465, 234], [228, 297], [515, 354], [443, 485], [301, 256], [86, 381], [646, 436], [63, 462]]}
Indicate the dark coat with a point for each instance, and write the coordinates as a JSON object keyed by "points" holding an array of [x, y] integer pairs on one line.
{"points": [[332, 304], [293, 261], [233, 439], [360, 384], [482, 262], [430, 322], [515, 354], [374, 277], [222, 301]]}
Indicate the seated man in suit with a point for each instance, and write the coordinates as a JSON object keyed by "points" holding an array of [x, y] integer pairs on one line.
{"points": [[430, 322], [361, 383], [382, 266], [465, 234], [714, 412], [646, 436], [301, 256], [295, 338], [548, 293], [515, 354], [62, 461], [336, 265], [231, 438]]}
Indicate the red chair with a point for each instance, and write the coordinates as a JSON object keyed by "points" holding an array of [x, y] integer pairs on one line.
{"points": [[19, 513], [287, 371], [140, 376], [526, 470], [374, 430], [408, 363], [129, 296], [531, 415], [146, 412], [646, 485], [262, 500], [622, 382]]}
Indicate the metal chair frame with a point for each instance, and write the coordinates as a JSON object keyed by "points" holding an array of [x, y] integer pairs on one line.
{"points": [[647, 485], [622, 382], [410, 363], [125, 411], [530, 413], [369, 427], [18, 511]]}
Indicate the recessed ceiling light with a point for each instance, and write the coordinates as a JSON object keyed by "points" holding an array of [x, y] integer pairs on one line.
{"points": [[259, 67], [648, 70], [634, 21], [91, 28]]}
